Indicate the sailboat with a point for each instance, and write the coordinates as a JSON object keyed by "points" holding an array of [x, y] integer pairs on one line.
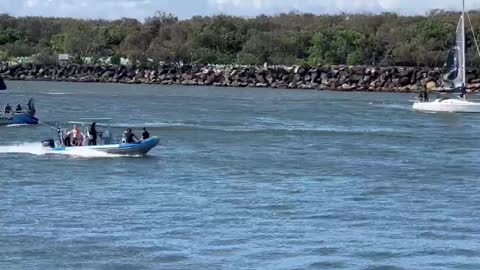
{"points": [[455, 77]]}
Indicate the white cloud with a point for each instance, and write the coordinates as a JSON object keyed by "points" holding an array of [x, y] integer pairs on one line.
{"points": [[329, 6], [110, 9], [107, 9]]}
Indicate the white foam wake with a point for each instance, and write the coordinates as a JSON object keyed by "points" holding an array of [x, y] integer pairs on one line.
{"points": [[24, 148], [38, 149], [55, 93], [18, 125]]}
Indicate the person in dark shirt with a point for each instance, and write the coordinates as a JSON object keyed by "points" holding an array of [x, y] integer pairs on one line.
{"points": [[92, 134], [31, 107], [145, 134], [7, 109], [19, 108], [130, 137]]}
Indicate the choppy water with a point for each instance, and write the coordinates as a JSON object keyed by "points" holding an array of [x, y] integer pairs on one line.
{"points": [[244, 179]]}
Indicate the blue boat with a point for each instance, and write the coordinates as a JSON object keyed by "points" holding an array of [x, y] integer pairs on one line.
{"points": [[134, 149], [104, 139], [18, 117], [140, 148]]}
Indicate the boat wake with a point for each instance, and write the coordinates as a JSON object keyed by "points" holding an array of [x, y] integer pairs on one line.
{"points": [[393, 106], [39, 150], [266, 126], [258, 125], [24, 148], [55, 93], [18, 125]]}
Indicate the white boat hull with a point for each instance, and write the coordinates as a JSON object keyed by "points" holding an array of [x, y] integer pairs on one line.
{"points": [[133, 149], [448, 105]]}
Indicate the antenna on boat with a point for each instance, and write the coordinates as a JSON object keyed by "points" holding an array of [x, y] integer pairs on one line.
{"points": [[464, 66]]}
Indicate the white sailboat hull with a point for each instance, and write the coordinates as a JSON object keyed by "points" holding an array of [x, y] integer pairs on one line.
{"points": [[448, 105]]}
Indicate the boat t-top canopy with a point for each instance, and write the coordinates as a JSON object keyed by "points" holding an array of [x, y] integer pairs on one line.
{"points": [[87, 121]]}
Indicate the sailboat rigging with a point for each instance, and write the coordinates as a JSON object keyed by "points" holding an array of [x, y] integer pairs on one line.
{"points": [[455, 78]]}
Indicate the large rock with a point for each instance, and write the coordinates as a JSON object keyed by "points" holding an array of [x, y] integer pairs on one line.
{"points": [[342, 78], [431, 85], [404, 81]]}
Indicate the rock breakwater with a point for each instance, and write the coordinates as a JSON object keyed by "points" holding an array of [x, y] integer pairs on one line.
{"points": [[342, 78]]}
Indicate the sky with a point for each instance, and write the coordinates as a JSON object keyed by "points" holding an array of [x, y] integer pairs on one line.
{"points": [[112, 9]]}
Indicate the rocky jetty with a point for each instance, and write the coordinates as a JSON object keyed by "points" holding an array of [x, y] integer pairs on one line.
{"points": [[342, 78]]}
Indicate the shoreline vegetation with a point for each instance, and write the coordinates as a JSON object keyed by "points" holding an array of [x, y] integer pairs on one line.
{"points": [[386, 39], [349, 52], [341, 78]]}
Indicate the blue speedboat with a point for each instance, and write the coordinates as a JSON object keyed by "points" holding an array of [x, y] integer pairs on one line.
{"points": [[125, 149], [105, 145], [19, 116]]}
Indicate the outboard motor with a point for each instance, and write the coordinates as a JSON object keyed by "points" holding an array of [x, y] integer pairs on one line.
{"points": [[48, 143]]}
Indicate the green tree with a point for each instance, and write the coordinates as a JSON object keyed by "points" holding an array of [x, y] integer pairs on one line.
{"points": [[289, 38], [135, 46], [9, 36], [83, 41], [333, 46]]}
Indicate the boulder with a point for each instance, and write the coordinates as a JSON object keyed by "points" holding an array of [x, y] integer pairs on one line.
{"points": [[404, 81], [431, 85]]}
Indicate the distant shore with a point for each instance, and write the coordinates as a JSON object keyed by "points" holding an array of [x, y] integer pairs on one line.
{"points": [[341, 78]]}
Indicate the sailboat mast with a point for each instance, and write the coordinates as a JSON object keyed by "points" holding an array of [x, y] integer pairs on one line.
{"points": [[463, 46]]}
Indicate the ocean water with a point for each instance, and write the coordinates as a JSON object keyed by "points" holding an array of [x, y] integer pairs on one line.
{"points": [[243, 179]]}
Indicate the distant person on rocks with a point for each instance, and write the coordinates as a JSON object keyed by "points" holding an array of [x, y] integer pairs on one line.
{"points": [[145, 134]]}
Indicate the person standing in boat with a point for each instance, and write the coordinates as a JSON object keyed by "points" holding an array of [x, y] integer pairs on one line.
{"points": [[31, 107], [145, 134], [463, 94], [92, 134], [423, 96], [19, 108]]}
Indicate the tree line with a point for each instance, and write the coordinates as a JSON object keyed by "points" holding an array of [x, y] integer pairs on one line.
{"points": [[284, 39]]}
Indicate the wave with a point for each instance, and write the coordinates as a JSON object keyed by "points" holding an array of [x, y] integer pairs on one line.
{"points": [[18, 125], [393, 106], [266, 125], [255, 128], [24, 148], [55, 93], [39, 150]]}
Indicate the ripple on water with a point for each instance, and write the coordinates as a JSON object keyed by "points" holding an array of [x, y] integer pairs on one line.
{"points": [[243, 179]]}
